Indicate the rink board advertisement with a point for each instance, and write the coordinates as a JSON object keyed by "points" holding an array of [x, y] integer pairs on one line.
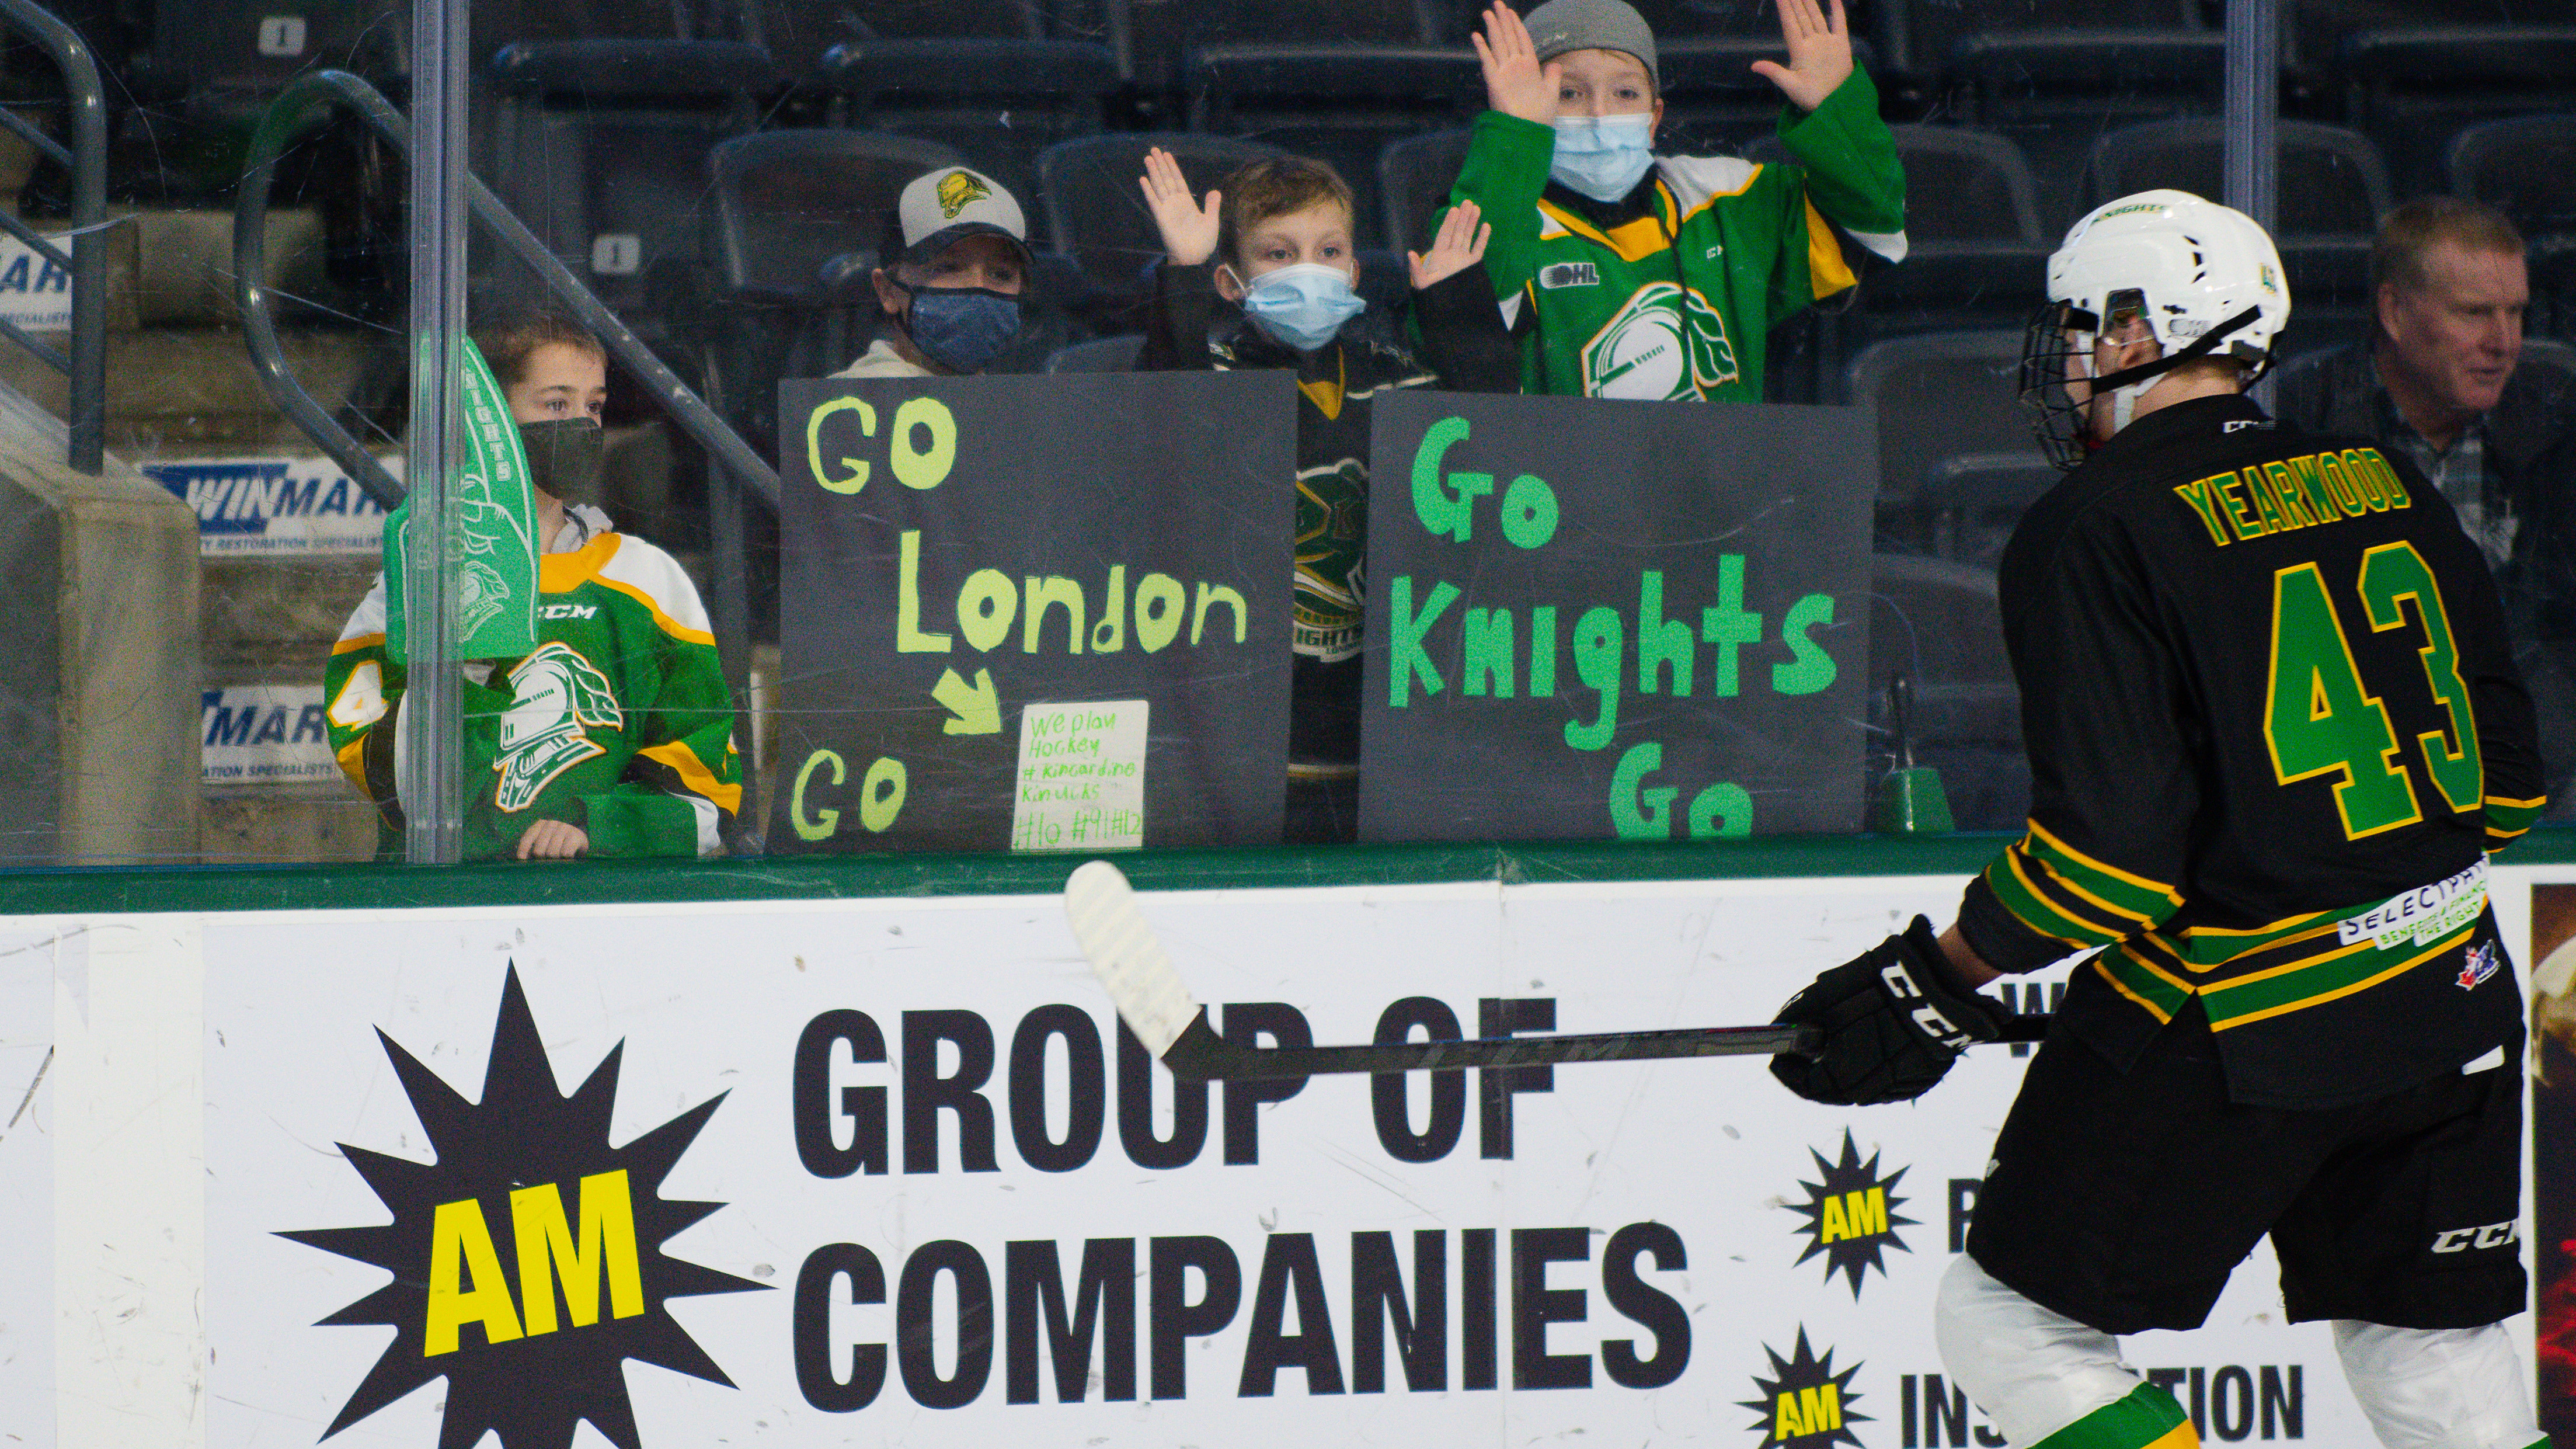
{"points": [[885, 1172], [895, 1180]]}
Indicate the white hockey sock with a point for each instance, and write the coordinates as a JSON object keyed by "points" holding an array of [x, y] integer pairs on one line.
{"points": [[2034, 1372], [2437, 1388]]}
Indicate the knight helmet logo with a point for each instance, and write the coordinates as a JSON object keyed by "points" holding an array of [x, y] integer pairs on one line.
{"points": [[558, 698], [1667, 343], [481, 593], [958, 190]]}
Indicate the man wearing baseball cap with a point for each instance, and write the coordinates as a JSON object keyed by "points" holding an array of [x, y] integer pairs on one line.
{"points": [[956, 257]]}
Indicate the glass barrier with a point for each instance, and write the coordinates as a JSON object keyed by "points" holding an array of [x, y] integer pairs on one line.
{"points": [[892, 243]]}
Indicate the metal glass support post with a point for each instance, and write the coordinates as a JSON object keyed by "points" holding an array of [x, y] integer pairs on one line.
{"points": [[430, 766], [729, 609], [2250, 171], [2250, 164]]}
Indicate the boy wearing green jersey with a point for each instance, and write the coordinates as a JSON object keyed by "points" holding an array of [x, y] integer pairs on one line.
{"points": [[614, 736], [1630, 275]]}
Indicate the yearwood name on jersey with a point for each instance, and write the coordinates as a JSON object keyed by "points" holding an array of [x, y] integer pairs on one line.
{"points": [[618, 722], [2274, 727]]}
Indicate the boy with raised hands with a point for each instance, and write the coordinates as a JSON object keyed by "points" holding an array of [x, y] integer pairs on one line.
{"points": [[1627, 274], [1275, 240]]}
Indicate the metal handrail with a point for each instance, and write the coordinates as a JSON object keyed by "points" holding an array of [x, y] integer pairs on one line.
{"points": [[250, 258], [85, 370]]}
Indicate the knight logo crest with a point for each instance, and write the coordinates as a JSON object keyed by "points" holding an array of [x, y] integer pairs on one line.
{"points": [[2482, 963], [559, 698], [481, 593], [1667, 343], [958, 190]]}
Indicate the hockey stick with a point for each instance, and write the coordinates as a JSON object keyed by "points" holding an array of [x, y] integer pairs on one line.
{"points": [[1157, 1006]]}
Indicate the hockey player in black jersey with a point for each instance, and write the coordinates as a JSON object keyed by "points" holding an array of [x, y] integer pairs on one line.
{"points": [[2274, 732]]}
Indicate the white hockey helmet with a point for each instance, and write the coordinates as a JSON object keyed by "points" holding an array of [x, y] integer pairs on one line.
{"points": [[2203, 277]]}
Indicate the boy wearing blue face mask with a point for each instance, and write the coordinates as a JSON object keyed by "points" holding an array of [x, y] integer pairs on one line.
{"points": [[956, 259], [1630, 275], [1276, 239]]}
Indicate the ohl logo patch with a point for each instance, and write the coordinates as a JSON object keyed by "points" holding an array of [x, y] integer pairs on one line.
{"points": [[1851, 1215], [526, 1261], [1805, 1404]]}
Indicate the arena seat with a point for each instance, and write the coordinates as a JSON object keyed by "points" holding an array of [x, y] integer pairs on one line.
{"points": [[2054, 90], [2332, 180], [1935, 395], [1413, 180], [1164, 38], [1935, 622], [2413, 90], [1105, 354], [1714, 101], [229, 57], [1091, 192], [1000, 102], [1922, 37], [795, 219], [1342, 104], [2524, 167], [600, 148]]}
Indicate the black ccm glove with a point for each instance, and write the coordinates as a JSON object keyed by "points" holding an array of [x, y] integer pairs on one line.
{"points": [[1893, 1020]]}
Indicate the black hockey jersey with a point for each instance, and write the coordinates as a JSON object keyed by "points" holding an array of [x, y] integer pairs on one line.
{"points": [[2274, 730]]}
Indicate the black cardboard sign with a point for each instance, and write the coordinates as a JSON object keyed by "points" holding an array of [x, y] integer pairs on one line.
{"points": [[1039, 613], [1605, 619]]}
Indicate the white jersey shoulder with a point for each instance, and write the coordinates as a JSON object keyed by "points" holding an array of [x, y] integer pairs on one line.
{"points": [[369, 616], [658, 577], [1696, 179]]}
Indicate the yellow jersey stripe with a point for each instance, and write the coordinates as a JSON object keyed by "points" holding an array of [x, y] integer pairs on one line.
{"points": [[665, 622], [2367, 982], [2113, 871], [2054, 874], [353, 761], [2122, 987], [357, 641], [1827, 272], [694, 774], [1633, 241]]}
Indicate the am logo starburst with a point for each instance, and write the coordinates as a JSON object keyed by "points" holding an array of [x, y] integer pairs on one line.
{"points": [[527, 1259], [1805, 1404], [1851, 1215]]}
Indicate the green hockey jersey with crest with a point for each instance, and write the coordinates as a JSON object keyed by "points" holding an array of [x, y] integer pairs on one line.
{"points": [[619, 722], [1671, 291]]}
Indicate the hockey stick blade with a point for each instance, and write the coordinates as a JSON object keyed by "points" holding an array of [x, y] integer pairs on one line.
{"points": [[1127, 957], [1157, 1006]]}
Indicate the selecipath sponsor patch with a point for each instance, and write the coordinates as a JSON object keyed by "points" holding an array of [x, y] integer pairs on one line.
{"points": [[2423, 915]]}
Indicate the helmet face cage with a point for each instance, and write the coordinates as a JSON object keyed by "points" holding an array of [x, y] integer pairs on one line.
{"points": [[2057, 351]]}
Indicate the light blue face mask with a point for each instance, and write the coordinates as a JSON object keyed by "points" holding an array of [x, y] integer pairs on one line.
{"points": [[1603, 157], [1304, 305]]}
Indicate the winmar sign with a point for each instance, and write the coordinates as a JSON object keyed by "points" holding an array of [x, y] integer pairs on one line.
{"points": [[527, 1260]]}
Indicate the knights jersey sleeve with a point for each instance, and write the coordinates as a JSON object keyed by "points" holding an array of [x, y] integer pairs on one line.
{"points": [[684, 778], [2114, 792], [1848, 177], [362, 691]]}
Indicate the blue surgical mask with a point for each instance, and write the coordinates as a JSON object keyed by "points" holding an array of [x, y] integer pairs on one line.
{"points": [[961, 328], [1603, 157], [1304, 305]]}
